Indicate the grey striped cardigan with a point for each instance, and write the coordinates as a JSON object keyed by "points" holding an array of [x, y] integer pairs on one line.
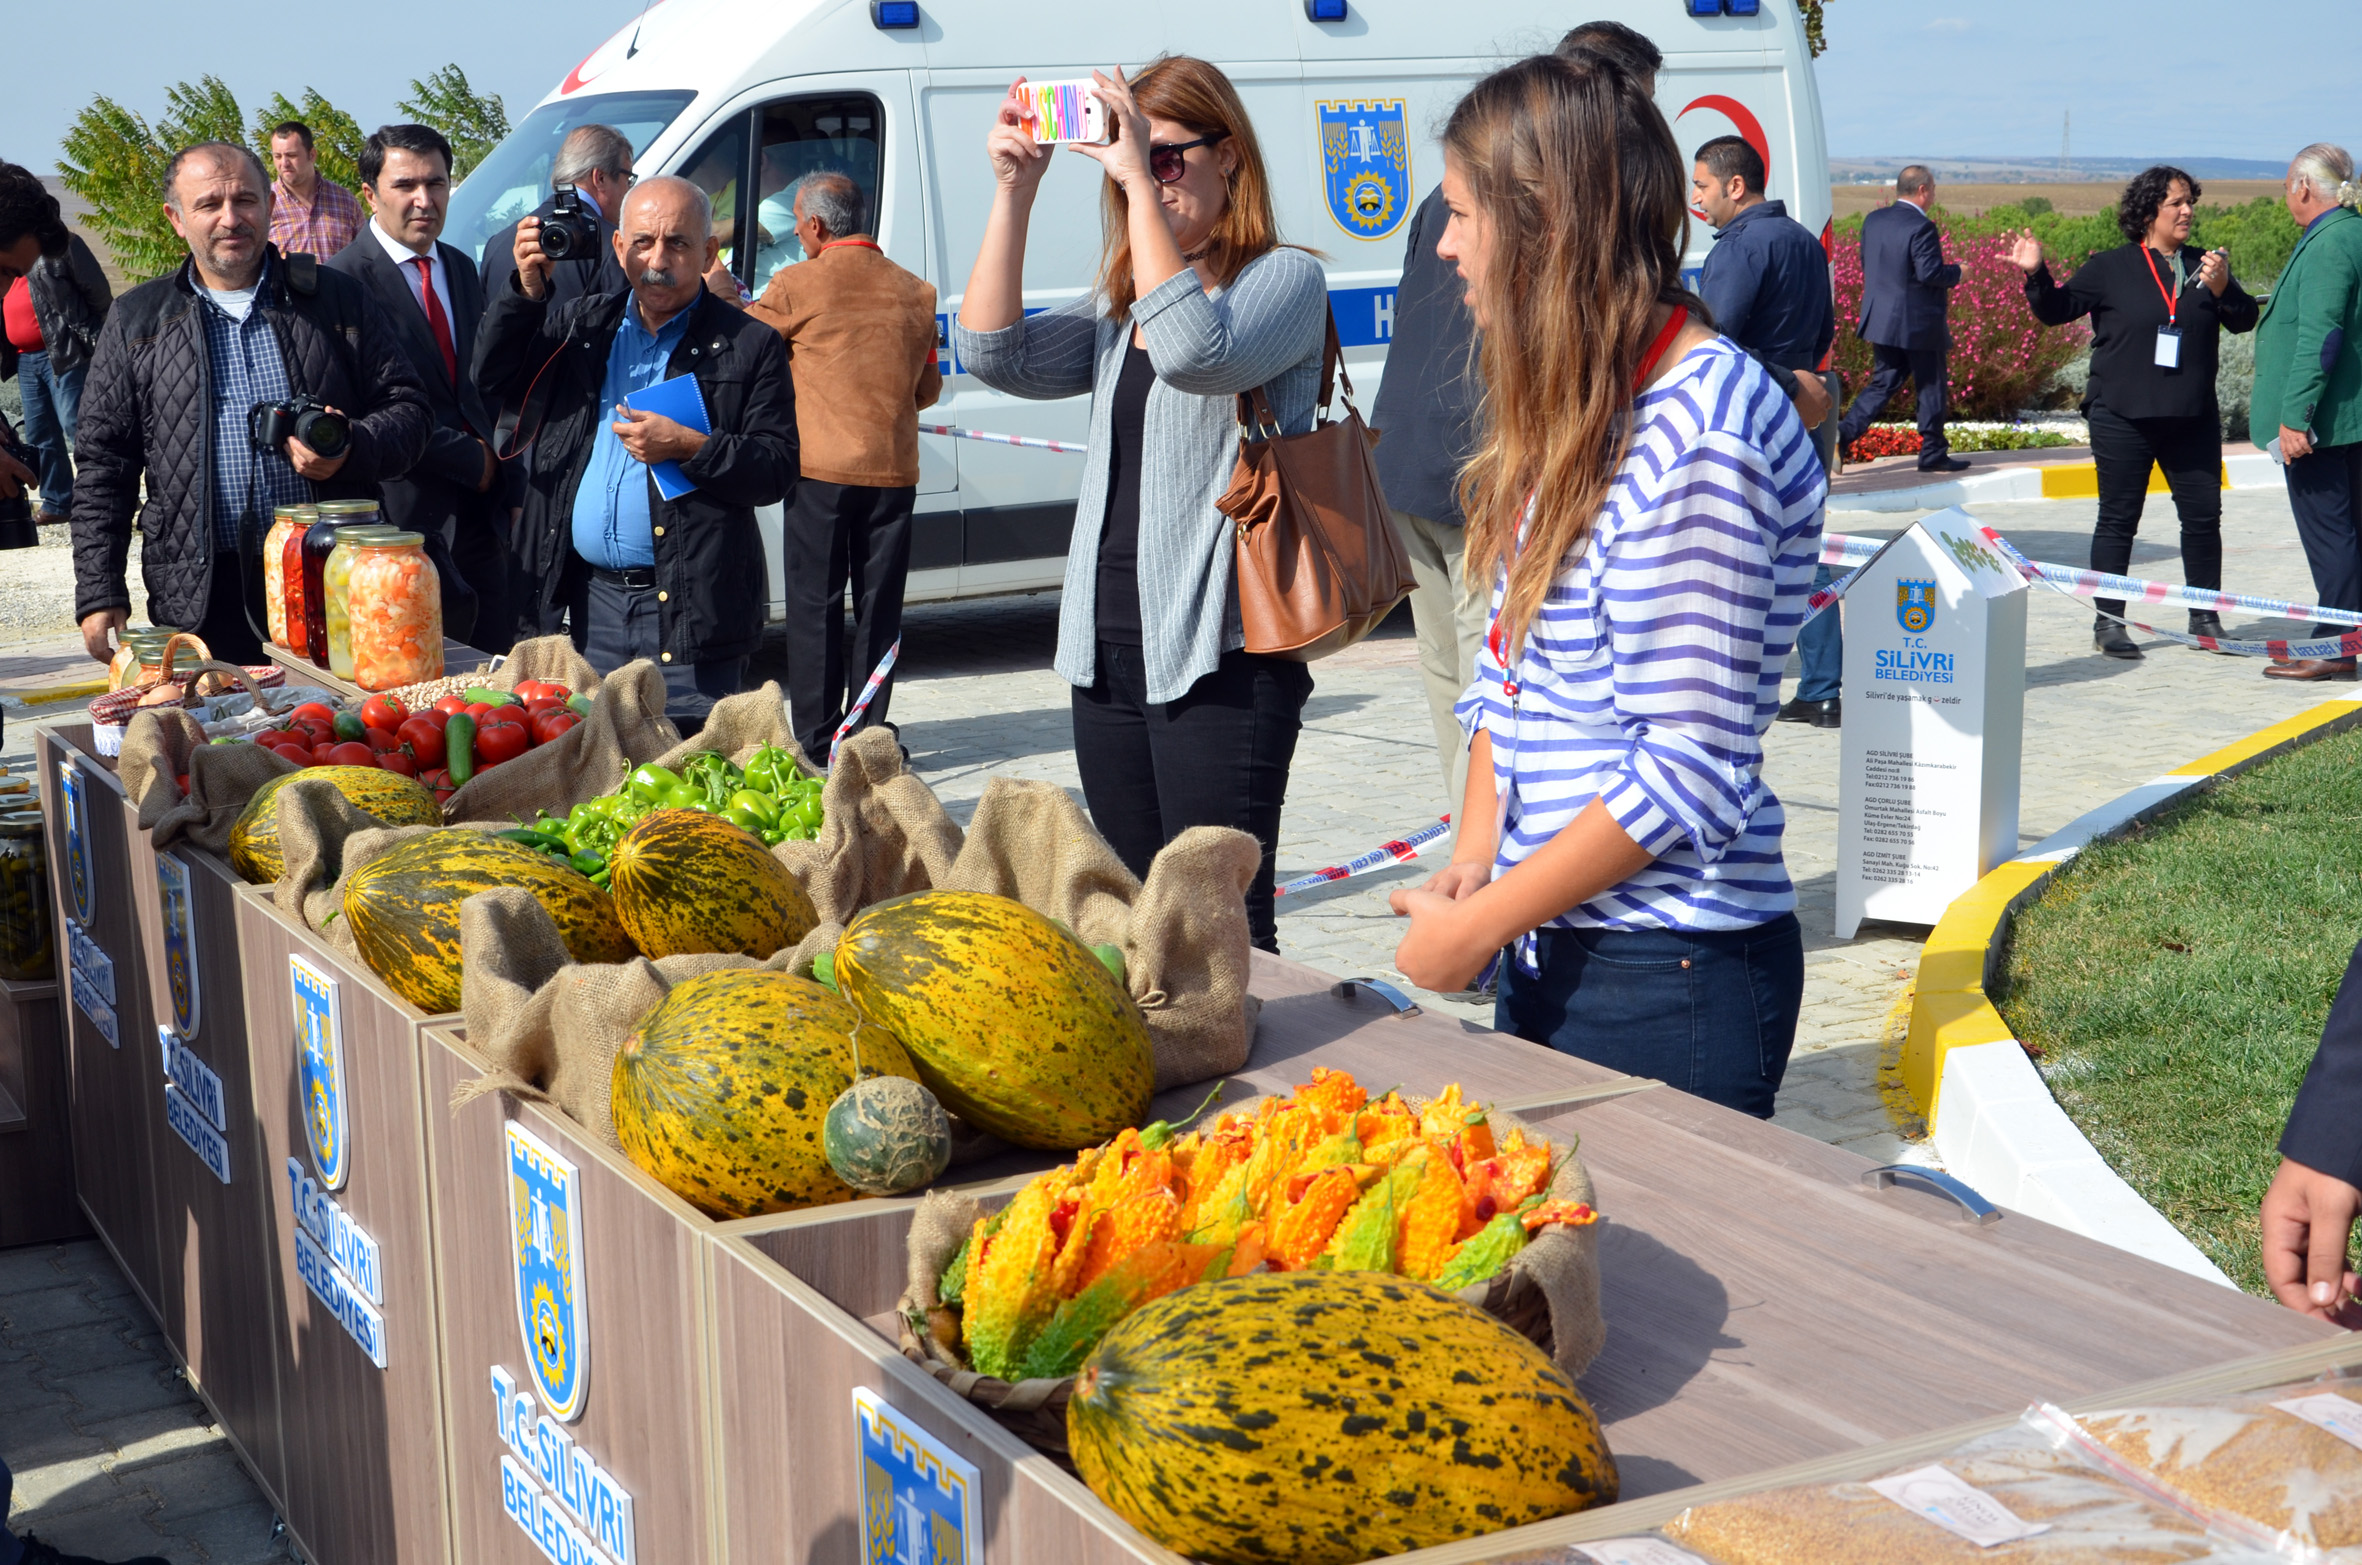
{"points": [[1266, 329]]}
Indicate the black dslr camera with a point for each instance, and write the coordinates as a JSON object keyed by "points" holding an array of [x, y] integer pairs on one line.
{"points": [[308, 419], [569, 232]]}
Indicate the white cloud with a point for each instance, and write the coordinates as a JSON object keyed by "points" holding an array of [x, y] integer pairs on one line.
{"points": [[1949, 24]]}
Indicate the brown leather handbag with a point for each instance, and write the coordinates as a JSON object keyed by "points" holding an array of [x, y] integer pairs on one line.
{"points": [[1319, 564]]}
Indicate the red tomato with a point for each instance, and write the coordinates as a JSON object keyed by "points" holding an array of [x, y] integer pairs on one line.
{"points": [[183, 779], [314, 709], [383, 712], [321, 755], [500, 739], [451, 704], [397, 761], [351, 753], [541, 704], [379, 740], [433, 714], [434, 777], [424, 739], [532, 690], [313, 730], [550, 722]]}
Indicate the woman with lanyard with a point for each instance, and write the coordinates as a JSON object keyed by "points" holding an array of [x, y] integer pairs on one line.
{"points": [[1647, 505], [2154, 306]]}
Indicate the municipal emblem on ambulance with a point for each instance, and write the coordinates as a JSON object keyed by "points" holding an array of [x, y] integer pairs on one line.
{"points": [[545, 1235], [180, 942], [1915, 604], [1365, 164], [319, 1071]]}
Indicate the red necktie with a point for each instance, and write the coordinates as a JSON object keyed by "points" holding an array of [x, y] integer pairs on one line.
{"points": [[437, 322]]}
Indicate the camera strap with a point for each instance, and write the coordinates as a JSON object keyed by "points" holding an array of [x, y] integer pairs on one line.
{"points": [[250, 575]]}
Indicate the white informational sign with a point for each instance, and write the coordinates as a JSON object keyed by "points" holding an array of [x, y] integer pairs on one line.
{"points": [[1935, 703]]}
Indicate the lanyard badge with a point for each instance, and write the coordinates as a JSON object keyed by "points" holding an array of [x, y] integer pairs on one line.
{"points": [[2169, 336]]}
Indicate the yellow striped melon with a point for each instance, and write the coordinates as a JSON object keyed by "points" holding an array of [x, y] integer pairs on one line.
{"points": [[387, 796]]}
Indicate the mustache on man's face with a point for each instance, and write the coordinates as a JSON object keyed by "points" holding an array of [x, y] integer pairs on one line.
{"points": [[657, 277]]}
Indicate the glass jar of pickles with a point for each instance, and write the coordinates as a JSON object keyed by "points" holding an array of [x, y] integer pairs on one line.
{"points": [[336, 579], [396, 603], [285, 520], [319, 540], [26, 951], [140, 657]]}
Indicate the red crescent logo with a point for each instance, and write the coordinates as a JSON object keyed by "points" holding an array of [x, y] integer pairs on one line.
{"points": [[1750, 128]]}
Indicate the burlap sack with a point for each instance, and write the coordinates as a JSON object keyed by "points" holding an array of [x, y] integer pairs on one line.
{"points": [[551, 658], [626, 727], [1183, 933], [164, 743], [1548, 1293], [736, 725]]}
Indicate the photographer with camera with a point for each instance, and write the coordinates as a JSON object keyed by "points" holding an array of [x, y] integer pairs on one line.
{"points": [[242, 381], [592, 171], [677, 581]]}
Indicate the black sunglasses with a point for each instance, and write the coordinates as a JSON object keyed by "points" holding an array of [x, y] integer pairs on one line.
{"points": [[1168, 159]]}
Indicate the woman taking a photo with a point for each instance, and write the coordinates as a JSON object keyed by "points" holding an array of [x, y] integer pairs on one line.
{"points": [[1647, 507], [2154, 305], [1174, 724]]}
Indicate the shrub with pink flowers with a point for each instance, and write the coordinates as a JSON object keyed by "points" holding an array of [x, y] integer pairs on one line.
{"points": [[2003, 360]]}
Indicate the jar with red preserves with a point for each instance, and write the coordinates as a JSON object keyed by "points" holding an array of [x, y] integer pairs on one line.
{"points": [[285, 520]]}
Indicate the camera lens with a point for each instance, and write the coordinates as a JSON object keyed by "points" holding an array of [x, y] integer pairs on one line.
{"points": [[324, 432]]}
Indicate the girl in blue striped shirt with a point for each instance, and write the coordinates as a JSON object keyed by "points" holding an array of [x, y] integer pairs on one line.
{"points": [[1647, 504]]}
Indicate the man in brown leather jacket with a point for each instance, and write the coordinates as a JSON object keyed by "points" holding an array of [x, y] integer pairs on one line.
{"points": [[860, 335]]}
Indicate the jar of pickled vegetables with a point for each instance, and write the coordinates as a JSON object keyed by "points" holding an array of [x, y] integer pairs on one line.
{"points": [[140, 657], [336, 579], [397, 612], [285, 520], [26, 952]]}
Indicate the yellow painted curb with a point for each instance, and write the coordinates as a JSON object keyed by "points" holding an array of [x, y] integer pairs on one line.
{"points": [[51, 695], [2081, 481], [1949, 1008]]}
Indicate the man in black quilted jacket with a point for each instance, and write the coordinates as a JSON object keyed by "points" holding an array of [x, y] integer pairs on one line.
{"points": [[180, 365]]}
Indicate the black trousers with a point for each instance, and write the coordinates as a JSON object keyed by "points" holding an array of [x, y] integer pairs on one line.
{"points": [[832, 534], [1929, 369], [479, 547], [2190, 450], [615, 624], [2325, 492], [1219, 756], [225, 631]]}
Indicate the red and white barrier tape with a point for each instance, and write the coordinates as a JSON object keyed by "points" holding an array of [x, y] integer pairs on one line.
{"points": [[2345, 646], [877, 677], [1035, 442], [1377, 858]]}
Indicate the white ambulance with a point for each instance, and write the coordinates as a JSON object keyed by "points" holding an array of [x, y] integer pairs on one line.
{"points": [[1348, 98]]}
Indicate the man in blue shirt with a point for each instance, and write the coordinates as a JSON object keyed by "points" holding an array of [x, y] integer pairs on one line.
{"points": [[1767, 282], [678, 582]]}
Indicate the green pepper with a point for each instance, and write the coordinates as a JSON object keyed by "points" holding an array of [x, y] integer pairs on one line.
{"points": [[772, 770], [805, 816], [651, 783], [764, 807], [459, 748], [350, 728], [744, 819], [590, 863], [538, 841]]}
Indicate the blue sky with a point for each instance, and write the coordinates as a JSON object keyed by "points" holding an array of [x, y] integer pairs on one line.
{"points": [[1921, 78]]}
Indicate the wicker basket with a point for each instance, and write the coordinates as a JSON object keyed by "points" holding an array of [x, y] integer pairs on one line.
{"points": [[178, 686]]}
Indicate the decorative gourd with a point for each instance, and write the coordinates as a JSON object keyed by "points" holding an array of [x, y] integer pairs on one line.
{"points": [[1328, 1417], [688, 882], [887, 1135], [387, 797], [1011, 1020], [722, 1092], [403, 907]]}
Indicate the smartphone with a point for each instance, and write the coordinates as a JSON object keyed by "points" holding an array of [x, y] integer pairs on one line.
{"points": [[1066, 111]]}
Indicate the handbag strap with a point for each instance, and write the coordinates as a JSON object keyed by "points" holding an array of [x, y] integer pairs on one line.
{"points": [[1254, 407]]}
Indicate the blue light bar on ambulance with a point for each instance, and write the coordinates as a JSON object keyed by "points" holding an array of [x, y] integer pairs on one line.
{"points": [[1725, 7], [891, 14], [1324, 10]]}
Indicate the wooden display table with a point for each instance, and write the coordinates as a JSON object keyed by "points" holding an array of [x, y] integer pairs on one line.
{"points": [[458, 658], [360, 1355]]}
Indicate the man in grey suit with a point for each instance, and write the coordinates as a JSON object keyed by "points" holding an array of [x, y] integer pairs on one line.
{"points": [[1906, 291], [430, 291]]}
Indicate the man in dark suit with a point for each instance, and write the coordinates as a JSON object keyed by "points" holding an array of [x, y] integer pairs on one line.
{"points": [[1906, 288], [430, 292], [2309, 1212], [597, 161]]}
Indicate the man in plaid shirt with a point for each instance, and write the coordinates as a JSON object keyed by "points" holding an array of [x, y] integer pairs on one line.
{"points": [[309, 215]]}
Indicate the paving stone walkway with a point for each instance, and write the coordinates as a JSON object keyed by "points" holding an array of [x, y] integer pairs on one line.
{"points": [[115, 1456]]}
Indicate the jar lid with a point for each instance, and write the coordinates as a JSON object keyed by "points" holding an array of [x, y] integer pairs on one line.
{"points": [[20, 825], [304, 511], [348, 508], [392, 538], [356, 531]]}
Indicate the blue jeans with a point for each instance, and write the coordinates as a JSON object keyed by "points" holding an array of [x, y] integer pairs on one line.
{"points": [[1713, 1013], [1821, 646], [53, 404]]}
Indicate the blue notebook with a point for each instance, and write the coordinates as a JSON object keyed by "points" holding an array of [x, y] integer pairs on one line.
{"points": [[679, 400]]}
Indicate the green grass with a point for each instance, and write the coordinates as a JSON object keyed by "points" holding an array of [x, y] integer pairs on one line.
{"points": [[2174, 982]]}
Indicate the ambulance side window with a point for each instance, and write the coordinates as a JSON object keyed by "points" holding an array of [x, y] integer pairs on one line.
{"points": [[842, 133], [719, 168]]}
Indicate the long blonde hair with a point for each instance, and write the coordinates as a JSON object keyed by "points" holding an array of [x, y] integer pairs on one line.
{"points": [[1582, 183], [1194, 93]]}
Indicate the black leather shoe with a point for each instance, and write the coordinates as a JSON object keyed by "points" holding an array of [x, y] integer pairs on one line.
{"points": [[1820, 714], [1831, 714], [1944, 464], [2109, 639], [39, 1553], [2206, 622]]}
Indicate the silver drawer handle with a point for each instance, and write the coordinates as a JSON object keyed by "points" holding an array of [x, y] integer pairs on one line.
{"points": [[1973, 1207], [1403, 1004]]}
